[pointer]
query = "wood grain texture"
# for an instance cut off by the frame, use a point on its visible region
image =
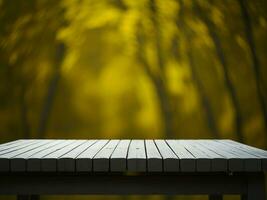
(154, 159)
(101, 159)
(136, 159)
(41, 155)
(84, 162)
(118, 159)
(170, 160)
(66, 162)
(187, 160)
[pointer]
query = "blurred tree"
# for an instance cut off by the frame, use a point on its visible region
(122, 68)
(156, 77)
(187, 33)
(51, 91)
(254, 57)
(28, 29)
(222, 59)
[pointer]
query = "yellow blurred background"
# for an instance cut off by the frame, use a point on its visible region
(133, 69)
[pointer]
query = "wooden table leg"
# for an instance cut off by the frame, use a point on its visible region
(215, 197)
(255, 187)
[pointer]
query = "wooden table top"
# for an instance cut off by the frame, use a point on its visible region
(47, 155)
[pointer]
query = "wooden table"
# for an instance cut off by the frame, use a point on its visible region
(29, 168)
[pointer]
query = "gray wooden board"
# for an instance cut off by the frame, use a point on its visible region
(250, 149)
(19, 162)
(17, 146)
(218, 162)
(131, 155)
(203, 161)
(118, 159)
(4, 145)
(101, 159)
(12, 154)
(84, 162)
(49, 162)
(66, 162)
(187, 160)
(5, 157)
(10, 146)
(262, 154)
(154, 159)
(136, 159)
(34, 162)
(15, 143)
(249, 162)
(170, 160)
(234, 163)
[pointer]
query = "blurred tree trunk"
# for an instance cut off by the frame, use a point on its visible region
(26, 130)
(51, 92)
(228, 83)
(254, 57)
(203, 97)
(199, 86)
(158, 80)
(160, 89)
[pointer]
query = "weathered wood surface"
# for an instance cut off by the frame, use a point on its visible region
(131, 155)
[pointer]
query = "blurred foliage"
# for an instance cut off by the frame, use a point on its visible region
(133, 69)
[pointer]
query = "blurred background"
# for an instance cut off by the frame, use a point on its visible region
(133, 69)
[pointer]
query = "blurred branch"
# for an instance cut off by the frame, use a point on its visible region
(161, 90)
(51, 92)
(228, 83)
(155, 21)
(200, 88)
(26, 130)
(255, 60)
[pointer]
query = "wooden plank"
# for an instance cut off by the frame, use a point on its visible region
(154, 159)
(84, 162)
(17, 146)
(15, 164)
(249, 149)
(203, 161)
(136, 159)
(66, 163)
(251, 163)
(218, 162)
(101, 159)
(9, 143)
(238, 160)
(170, 160)
(5, 158)
(118, 159)
(19, 162)
(49, 162)
(186, 159)
(235, 163)
(34, 161)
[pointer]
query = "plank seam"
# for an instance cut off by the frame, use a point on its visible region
(73, 148)
(109, 160)
(146, 156)
(86, 148)
(162, 160)
(128, 154)
(97, 153)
